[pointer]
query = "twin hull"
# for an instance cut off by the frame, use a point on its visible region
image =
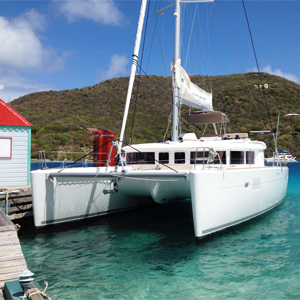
(220, 197)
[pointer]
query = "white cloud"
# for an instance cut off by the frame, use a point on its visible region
(13, 87)
(21, 51)
(57, 60)
(104, 11)
(278, 72)
(33, 19)
(116, 68)
(21, 48)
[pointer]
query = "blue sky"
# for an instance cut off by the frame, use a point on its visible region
(62, 44)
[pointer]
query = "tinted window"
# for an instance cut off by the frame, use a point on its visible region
(222, 155)
(179, 157)
(163, 157)
(250, 157)
(237, 157)
(140, 158)
(199, 157)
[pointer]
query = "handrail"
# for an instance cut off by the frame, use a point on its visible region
(43, 160)
(210, 151)
(7, 193)
(196, 156)
(277, 160)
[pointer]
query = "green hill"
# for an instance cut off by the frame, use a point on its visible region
(61, 118)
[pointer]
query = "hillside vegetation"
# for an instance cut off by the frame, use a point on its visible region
(60, 118)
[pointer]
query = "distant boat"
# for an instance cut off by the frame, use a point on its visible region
(283, 156)
(223, 174)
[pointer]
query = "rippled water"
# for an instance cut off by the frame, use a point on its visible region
(151, 254)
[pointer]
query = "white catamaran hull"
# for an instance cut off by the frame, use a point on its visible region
(85, 192)
(220, 197)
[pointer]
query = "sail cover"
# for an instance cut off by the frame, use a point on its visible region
(207, 117)
(189, 93)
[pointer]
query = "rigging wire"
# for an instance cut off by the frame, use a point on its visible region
(206, 63)
(163, 50)
(252, 98)
(162, 44)
(162, 47)
(169, 122)
(189, 43)
(155, 84)
(263, 93)
(202, 35)
(145, 153)
(139, 78)
(84, 156)
(110, 141)
(166, 96)
(209, 53)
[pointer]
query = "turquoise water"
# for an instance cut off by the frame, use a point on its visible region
(151, 254)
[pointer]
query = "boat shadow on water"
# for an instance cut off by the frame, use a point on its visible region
(170, 223)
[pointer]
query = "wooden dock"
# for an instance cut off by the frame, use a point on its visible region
(12, 261)
(16, 202)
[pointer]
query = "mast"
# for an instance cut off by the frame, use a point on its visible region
(177, 70)
(133, 68)
(176, 101)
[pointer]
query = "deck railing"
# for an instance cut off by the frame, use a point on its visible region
(64, 158)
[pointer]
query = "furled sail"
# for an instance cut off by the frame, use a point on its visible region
(189, 93)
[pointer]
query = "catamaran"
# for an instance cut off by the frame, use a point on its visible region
(224, 175)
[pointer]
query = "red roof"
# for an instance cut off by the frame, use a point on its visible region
(9, 117)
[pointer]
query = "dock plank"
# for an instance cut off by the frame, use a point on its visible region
(7, 228)
(12, 257)
(12, 261)
(12, 269)
(9, 242)
(7, 236)
(8, 277)
(7, 249)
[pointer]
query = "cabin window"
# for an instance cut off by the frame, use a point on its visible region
(199, 157)
(179, 157)
(222, 155)
(137, 158)
(236, 157)
(250, 157)
(163, 157)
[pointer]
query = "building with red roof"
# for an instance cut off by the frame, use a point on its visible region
(15, 147)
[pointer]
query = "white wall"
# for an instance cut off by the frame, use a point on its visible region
(14, 170)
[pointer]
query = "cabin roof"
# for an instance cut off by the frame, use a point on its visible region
(9, 117)
(219, 144)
